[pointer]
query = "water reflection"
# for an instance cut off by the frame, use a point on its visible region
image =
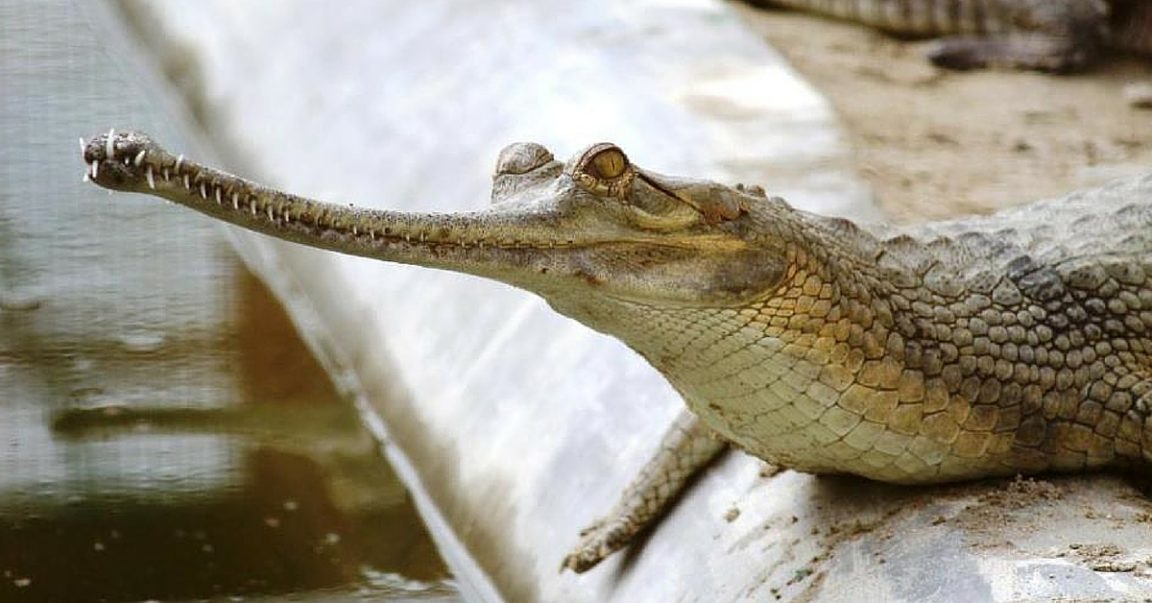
(282, 492)
(163, 432)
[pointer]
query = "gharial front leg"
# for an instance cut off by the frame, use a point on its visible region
(687, 447)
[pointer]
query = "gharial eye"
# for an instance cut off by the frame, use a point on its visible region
(603, 169)
(607, 164)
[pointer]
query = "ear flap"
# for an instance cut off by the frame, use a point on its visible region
(715, 203)
(686, 276)
(723, 207)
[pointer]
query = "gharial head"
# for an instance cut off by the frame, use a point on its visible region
(594, 227)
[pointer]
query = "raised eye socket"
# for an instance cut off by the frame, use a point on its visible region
(522, 157)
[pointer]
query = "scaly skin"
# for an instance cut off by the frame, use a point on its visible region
(1013, 343)
(688, 446)
(1047, 35)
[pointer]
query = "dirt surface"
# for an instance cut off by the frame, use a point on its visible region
(934, 143)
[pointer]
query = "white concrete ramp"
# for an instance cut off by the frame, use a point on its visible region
(516, 427)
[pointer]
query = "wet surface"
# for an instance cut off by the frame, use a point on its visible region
(163, 433)
(281, 492)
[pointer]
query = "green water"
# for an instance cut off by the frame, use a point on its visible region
(164, 435)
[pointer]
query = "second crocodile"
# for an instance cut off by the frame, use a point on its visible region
(1045, 35)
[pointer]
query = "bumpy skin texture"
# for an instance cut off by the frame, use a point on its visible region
(1014, 343)
(1047, 35)
(1018, 342)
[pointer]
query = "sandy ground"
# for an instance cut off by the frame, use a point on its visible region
(934, 143)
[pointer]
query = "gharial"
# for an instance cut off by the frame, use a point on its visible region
(1045, 35)
(1019, 342)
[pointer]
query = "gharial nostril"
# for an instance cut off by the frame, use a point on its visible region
(94, 149)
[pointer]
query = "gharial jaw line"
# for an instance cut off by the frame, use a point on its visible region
(131, 161)
(156, 171)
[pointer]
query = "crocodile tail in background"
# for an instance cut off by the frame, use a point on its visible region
(910, 18)
(1058, 36)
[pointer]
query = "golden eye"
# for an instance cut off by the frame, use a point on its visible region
(607, 164)
(603, 169)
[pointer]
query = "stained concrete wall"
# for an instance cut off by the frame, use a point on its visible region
(516, 427)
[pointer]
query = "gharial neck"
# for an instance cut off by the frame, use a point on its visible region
(833, 289)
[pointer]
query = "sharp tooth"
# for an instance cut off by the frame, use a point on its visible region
(95, 169)
(219, 201)
(235, 200)
(287, 217)
(179, 162)
(127, 160)
(203, 192)
(421, 237)
(83, 147)
(151, 178)
(354, 231)
(187, 183)
(86, 177)
(167, 176)
(109, 146)
(407, 239)
(252, 207)
(139, 157)
(270, 214)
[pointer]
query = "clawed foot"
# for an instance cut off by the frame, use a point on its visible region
(687, 447)
(597, 541)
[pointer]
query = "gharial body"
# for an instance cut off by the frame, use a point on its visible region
(1047, 35)
(1014, 343)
